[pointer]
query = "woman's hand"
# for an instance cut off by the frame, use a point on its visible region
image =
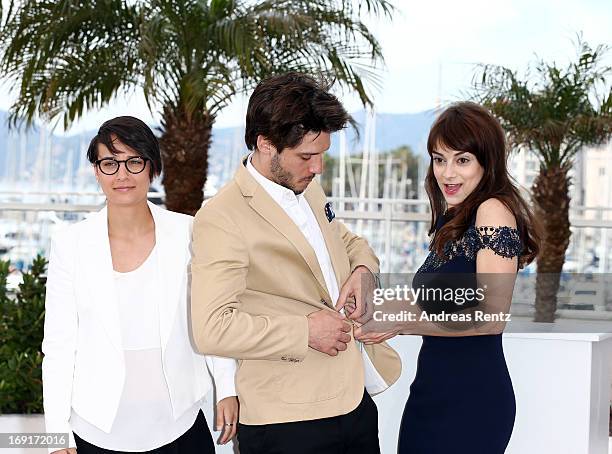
(227, 418)
(65, 451)
(370, 338)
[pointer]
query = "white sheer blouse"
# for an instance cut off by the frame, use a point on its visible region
(144, 418)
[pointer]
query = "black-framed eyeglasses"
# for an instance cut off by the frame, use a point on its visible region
(110, 166)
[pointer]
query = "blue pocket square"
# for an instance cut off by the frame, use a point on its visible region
(329, 212)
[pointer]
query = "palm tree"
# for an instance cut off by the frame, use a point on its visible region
(190, 57)
(554, 115)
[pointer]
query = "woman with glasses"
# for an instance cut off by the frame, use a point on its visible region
(119, 371)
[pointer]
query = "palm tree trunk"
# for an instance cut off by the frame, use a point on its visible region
(551, 202)
(185, 143)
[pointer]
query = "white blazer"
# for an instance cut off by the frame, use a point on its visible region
(83, 366)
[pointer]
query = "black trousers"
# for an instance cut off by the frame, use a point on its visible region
(196, 440)
(355, 432)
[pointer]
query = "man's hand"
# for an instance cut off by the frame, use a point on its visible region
(360, 285)
(65, 451)
(327, 332)
(227, 418)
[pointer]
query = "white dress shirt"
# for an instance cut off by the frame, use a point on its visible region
(297, 208)
(144, 419)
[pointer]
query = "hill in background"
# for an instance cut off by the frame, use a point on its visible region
(67, 152)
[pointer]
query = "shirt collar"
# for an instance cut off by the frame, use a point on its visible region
(280, 194)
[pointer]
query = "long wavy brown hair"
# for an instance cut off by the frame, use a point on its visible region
(466, 126)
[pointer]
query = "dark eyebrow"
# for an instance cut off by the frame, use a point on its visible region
(122, 152)
(457, 153)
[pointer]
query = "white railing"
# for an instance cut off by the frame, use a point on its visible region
(397, 229)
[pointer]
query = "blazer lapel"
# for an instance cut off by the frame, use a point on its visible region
(98, 270)
(274, 214)
(172, 261)
(268, 209)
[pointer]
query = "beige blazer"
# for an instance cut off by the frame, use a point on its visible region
(255, 278)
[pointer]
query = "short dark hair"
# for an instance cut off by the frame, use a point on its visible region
(132, 132)
(284, 108)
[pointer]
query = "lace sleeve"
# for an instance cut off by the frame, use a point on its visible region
(504, 241)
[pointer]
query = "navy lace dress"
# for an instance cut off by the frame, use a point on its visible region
(461, 400)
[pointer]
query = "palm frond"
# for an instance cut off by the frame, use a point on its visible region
(330, 38)
(557, 111)
(67, 56)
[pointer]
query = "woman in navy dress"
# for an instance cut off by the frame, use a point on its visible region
(462, 400)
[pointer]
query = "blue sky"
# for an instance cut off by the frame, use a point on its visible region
(432, 47)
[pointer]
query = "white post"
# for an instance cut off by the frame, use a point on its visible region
(342, 169)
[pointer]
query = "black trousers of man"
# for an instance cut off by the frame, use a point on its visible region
(355, 432)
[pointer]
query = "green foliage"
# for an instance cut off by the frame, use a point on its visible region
(558, 110)
(21, 333)
(66, 56)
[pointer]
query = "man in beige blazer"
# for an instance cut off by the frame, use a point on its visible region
(270, 268)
